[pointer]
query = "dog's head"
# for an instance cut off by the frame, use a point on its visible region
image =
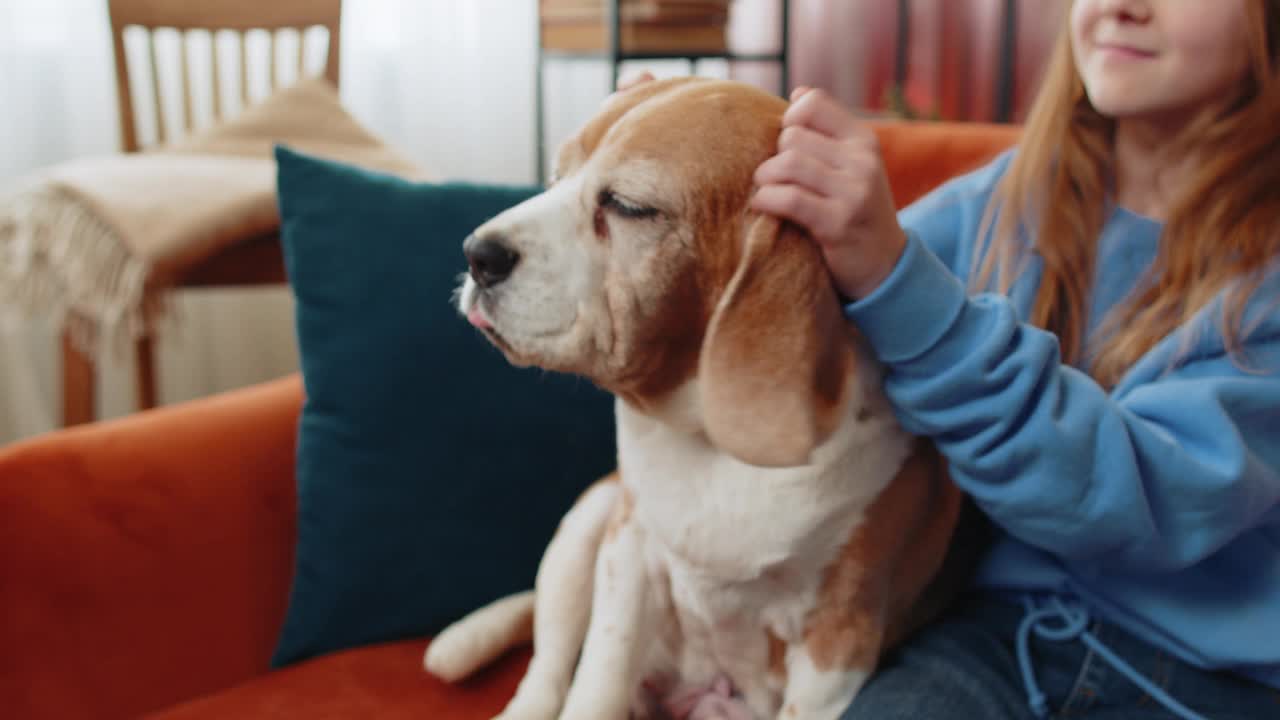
(642, 268)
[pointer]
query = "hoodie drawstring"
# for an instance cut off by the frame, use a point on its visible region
(1073, 623)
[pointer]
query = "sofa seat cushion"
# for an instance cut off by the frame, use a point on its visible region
(379, 681)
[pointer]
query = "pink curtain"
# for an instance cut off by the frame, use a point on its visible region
(953, 66)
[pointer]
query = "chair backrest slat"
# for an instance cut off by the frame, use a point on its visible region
(124, 101)
(244, 68)
(214, 68)
(238, 16)
(227, 14)
(153, 54)
(273, 65)
(188, 115)
(302, 52)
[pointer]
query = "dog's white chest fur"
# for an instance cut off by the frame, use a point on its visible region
(741, 549)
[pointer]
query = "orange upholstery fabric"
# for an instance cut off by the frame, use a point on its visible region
(386, 682)
(920, 155)
(145, 562)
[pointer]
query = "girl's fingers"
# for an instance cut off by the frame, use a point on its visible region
(803, 140)
(820, 112)
(797, 204)
(793, 167)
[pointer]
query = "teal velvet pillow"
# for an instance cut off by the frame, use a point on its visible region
(431, 474)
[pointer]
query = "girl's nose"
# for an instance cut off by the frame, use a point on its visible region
(1134, 11)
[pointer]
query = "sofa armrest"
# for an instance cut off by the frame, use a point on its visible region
(148, 559)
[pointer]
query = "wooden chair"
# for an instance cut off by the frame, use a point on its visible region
(253, 263)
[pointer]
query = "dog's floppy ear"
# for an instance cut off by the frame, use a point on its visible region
(777, 354)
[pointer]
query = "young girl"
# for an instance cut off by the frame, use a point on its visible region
(1089, 328)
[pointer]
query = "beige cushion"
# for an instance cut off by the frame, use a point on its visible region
(99, 237)
(307, 116)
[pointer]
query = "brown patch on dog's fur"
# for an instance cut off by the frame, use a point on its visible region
(664, 347)
(777, 654)
(715, 173)
(708, 137)
(778, 356)
(870, 592)
(575, 152)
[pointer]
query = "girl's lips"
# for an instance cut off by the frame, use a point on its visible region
(1124, 52)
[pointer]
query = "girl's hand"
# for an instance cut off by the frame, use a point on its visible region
(828, 178)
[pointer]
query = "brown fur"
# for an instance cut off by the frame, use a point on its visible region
(665, 344)
(790, 382)
(868, 598)
(768, 398)
(777, 655)
(744, 303)
(772, 397)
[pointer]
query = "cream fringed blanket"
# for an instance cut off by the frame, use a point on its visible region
(94, 242)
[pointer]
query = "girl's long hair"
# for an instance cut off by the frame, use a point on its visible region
(1221, 233)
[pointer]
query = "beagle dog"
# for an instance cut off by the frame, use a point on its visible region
(771, 529)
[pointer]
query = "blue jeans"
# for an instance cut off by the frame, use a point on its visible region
(965, 666)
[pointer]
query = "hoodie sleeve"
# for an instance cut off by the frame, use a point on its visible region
(1155, 475)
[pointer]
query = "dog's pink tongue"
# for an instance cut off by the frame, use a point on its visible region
(475, 317)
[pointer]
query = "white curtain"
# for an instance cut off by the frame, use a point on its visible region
(56, 102)
(450, 83)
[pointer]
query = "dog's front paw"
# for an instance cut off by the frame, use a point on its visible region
(600, 708)
(533, 701)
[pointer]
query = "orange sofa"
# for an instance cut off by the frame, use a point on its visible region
(145, 562)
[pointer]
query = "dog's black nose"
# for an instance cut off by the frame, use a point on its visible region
(490, 259)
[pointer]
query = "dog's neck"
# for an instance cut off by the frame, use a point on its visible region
(692, 495)
(680, 409)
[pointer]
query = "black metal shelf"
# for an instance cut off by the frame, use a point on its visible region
(615, 56)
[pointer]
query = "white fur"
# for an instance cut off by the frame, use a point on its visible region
(707, 541)
(558, 308)
(706, 536)
(564, 594)
(725, 549)
(564, 590)
(542, 306)
(461, 650)
(818, 694)
(622, 625)
(733, 562)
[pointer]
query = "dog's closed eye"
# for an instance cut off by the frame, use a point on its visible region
(623, 207)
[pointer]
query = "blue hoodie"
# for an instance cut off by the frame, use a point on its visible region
(1157, 503)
